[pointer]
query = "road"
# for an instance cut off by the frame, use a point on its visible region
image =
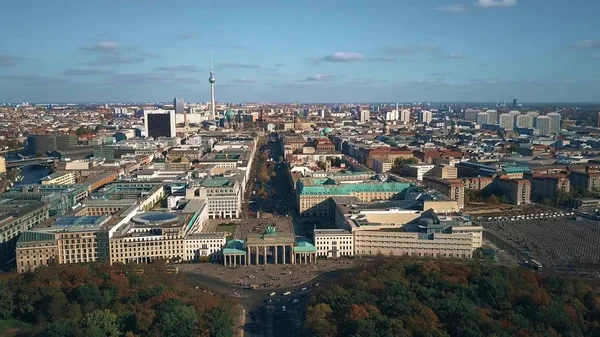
(262, 318)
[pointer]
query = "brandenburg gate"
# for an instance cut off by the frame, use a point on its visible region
(269, 247)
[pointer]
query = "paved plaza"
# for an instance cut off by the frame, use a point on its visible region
(267, 276)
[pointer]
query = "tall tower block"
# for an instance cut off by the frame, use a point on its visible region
(211, 80)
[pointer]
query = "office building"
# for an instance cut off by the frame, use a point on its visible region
(554, 122)
(507, 121)
(598, 120)
(40, 144)
(445, 171)
(542, 125)
(364, 115)
(418, 171)
(58, 178)
(482, 118)
(66, 142)
(159, 123)
(514, 103)
(222, 194)
(179, 105)
(425, 117)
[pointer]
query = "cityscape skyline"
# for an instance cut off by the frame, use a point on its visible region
(436, 51)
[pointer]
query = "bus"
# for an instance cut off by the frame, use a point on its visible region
(536, 265)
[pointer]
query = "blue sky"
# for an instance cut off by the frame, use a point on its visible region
(305, 51)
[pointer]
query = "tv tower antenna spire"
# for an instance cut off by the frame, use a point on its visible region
(211, 80)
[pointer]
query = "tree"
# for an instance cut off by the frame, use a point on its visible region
(318, 319)
(399, 163)
(177, 319)
(492, 199)
(220, 324)
(101, 321)
(6, 302)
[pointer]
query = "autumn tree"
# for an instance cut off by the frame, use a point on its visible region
(220, 323)
(318, 319)
(177, 319)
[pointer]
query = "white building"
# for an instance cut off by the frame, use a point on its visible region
(492, 116)
(365, 115)
(482, 118)
(524, 121)
(471, 114)
(542, 124)
(554, 122)
(405, 116)
(507, 121)
(199, 246)
(419, 170)
(425, 117)
(334, 242)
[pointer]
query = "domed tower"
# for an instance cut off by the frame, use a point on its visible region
(454, 127)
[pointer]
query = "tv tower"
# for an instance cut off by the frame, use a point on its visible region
(211, 80)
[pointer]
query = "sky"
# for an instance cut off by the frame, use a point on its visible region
(319, 51)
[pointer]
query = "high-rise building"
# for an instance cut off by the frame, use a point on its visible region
(482, 118)
(405, 116)
(598, 122)
(159, 123)
(554, 122)
(365, 115)
(425, 117)
(179, 105)
(524, 121)
(542, 124)
(492, 116)
(514, 105)
(471, 115)
(507, 121)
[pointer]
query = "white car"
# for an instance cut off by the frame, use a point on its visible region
(283, 308)
(272, 294)
(287, 293)
(295, 300)
(303, 288)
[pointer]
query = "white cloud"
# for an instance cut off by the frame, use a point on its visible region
(319, 78)
(343, 57)
(454, 56)
(495, 3)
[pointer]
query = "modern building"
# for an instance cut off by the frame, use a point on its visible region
(333, 243)
(365, 115)
(66, 142)
(542, 124)
(525, 121)
(179, 105)
(471, 115)
(222, 194)
(40, 144)
(482, 118)
(445, 171)
(425, 117)
(555, 119)
(492, 116)
(507, 121)
(159, 123)
(58, 178)
(418, 171)
(405, 116)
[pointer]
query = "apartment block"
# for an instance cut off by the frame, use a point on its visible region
(452, 188)
(549, 186)
(518, 191)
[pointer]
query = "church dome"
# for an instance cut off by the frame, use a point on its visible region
(327, 131)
